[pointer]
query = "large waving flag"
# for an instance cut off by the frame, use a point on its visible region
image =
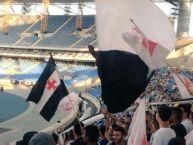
(48, 91)
(113, 19)
(123, 74)
(137, 130)
(184, 85)
(151, 52)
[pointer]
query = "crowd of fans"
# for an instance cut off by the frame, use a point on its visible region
(167, 125)
(162, 86)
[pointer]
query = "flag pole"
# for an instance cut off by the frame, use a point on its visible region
(182, 101)
(50, 54)
(135, 25)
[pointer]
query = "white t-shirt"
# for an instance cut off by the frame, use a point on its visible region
(188, 125)
(163, 136)
(189, 138)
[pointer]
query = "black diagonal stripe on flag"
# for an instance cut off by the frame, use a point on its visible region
(123, 75)
(123, 78)
(48, 91)
(38, 88)
(51, 105)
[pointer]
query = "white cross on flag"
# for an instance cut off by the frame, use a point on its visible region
(137, 130)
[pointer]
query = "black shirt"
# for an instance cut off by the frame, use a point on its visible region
(179, 129)
(78, 141)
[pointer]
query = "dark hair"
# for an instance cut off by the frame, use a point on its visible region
(66, 136)
(55, 136)
(77, 128)
(178, 113)
(26, 138)
(176, 141)
(92, 132)
(113, 126)
(70, 135)
(164, 112)
(120, 129)
(186, 108)
(102, 129)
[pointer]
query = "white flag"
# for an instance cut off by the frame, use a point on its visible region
(184, 86)
(117, 62)
(137, 130)
(152, 53)
(70, 102)
(113, 19)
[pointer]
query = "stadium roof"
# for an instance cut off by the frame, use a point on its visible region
(174, 2)
(51, 1)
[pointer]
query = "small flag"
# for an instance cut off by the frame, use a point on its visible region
(184, 84)
(187, 82)
(48, 91)
(70, 102)
(137, 130)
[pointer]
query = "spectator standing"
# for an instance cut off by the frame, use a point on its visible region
(163, 135)
(103, 140)
(187, 122)
(118, 136)
(91, 135)
(77, 131)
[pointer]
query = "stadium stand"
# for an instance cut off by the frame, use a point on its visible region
(94, 91)
(13, 35)
(54, 22)
(61, 32)
(27, 41)
(30, 71)
(25, 50)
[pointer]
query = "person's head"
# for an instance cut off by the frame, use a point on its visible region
(192, 116)
(118, 134)
(91, 134)
(186, 110)
(70, 135)
(42, 139)
(26, 138)
(55, 136)
(102, 129)
(163, 113)
(78, 129)
(176, 114)
(176, 141)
